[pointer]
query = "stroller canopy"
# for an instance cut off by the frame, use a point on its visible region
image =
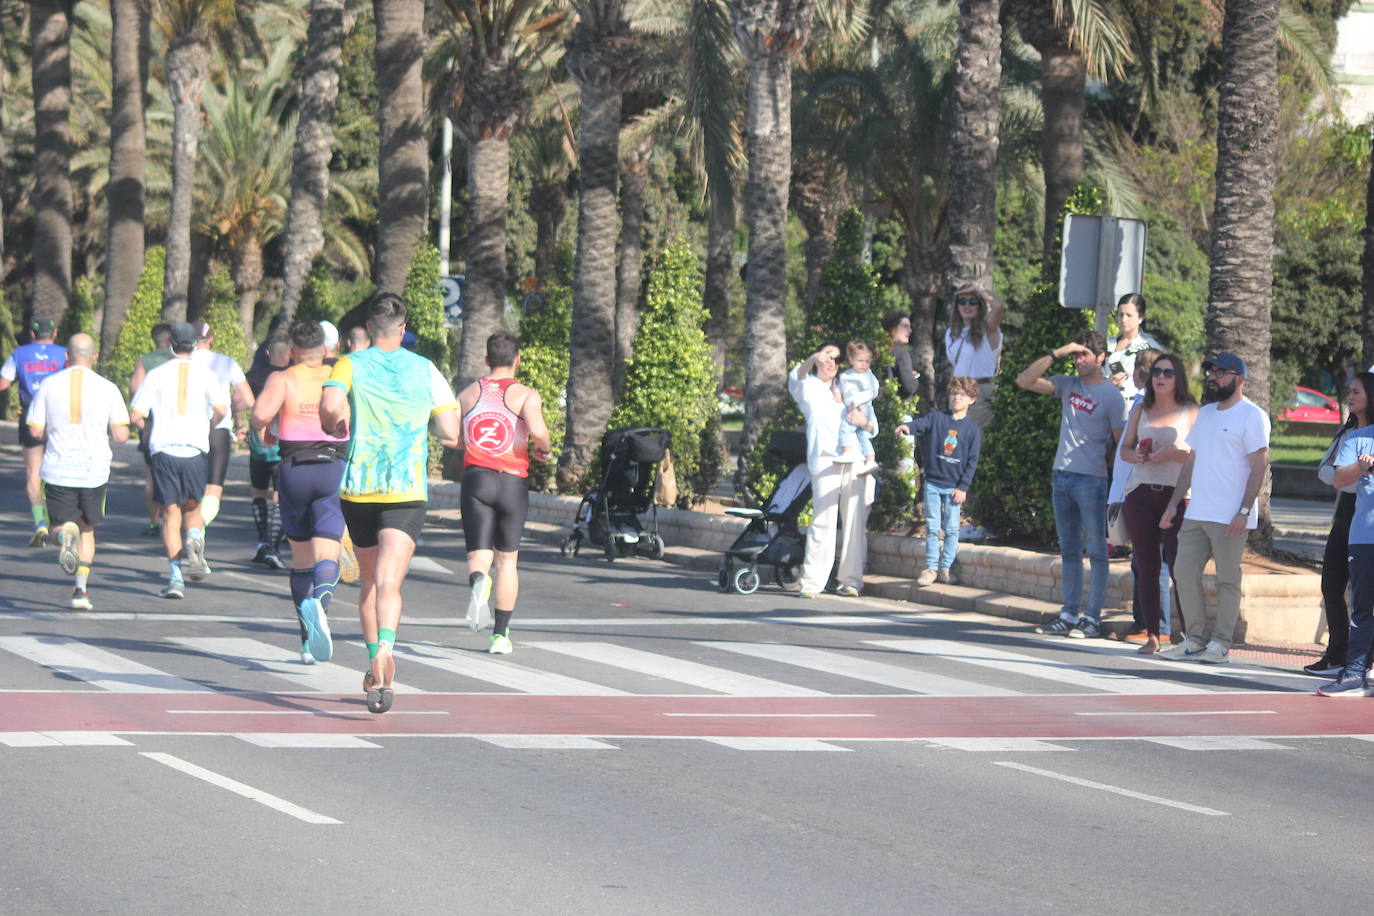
(639, 443)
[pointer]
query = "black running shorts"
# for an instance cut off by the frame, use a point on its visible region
(366, 519)
(178, 481)
(260, 472)
(494, 509)
(26, 438)
(221, 444)
(74, 504)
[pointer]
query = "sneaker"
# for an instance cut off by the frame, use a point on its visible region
(869, 468)
(1188, 650)
(317, 636)
(1086, 628)
(1323, 668)
(40, 537)
(478, 595)
(946, 577)
(152, 530)
(196, 567)
(1348, 684)
(927, 577)
(67, 538)
(260, 555)
(1215, 654)
(175, 588)
(308, 659)
(807, 596)
(847, 591)
(1056, 627)
(80, 600)
(273, 561)
(500, 645)
(348, 561)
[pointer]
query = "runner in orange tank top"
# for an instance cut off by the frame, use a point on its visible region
(501, 417)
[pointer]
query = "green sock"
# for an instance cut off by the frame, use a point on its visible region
(371, 650)
(386, 635)
(40, 516)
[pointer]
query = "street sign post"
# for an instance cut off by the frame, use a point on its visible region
(452, 287)
(1103, 259)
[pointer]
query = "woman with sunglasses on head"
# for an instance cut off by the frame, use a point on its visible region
(1131, 339)
(1335, 566)
(1155, 442)
(973, 344)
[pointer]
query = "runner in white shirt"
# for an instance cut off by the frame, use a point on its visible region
(76, 413)
(187, 400)
(222, 436)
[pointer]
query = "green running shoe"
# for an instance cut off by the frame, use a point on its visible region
(500, 645)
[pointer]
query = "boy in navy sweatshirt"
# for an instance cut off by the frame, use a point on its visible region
(952, 446)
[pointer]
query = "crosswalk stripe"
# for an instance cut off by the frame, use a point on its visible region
(95, 666)
(547, 742)
(1033, 666)
(776, 744)
(1000, 745)
(306, 740)
(281, 663)
(494, 670)
(676, 669)
(862, 669)
(1220, 743)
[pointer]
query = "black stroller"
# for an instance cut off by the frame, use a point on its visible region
(611, 515)
(773, 537)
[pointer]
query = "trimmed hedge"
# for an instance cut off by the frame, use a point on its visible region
(545, 333)
(222, 314)
(135, 335)
(319, 301)
(80, 315)
(425, 307)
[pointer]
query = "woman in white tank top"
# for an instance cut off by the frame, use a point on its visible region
(1155, 442)
(973, 344)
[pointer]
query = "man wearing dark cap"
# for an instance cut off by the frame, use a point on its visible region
(1230, 447)
(29, 365)
(187, 400)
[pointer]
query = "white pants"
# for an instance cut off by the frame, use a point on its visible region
(837, 497)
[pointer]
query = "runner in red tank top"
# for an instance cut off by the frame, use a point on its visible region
(501, 417)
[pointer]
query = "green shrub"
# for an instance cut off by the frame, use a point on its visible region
(80, 314)
(318, 299)
(9, 322)
(850, 306)
(1176, 273)
(222, 314)
(670, 382)
(145, 312)
(545, 332)
(425, 307)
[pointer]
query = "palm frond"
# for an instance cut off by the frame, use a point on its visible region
(1309, 53)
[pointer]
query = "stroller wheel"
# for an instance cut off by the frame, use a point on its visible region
(569, 546)
(723, 577)
(787, 576)
(654, 550)
(745, 580)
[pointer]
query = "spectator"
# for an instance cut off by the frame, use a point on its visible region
(1354, 462)
(973, 344)
(837, 493)
(1155, 442)
(1335, 566)
(952, 450)
(898, 327)
(1092, 416)
(858, 387)
(1123, 348)
(1230, 445)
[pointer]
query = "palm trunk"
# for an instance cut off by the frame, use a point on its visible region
(817, 197)
(1061, 146)
(921, 278)
(128, 147)
(403, 159)
(590, 396)
(484, 292)
(188, 64)
(549, 205)
(50, 33)
(314, 139)
(634, 179)
(972, 211)
(1367, 314)
(1240, 287)
(720, 267)
(246, 268)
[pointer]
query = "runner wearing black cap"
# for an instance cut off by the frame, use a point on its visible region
(29, 365)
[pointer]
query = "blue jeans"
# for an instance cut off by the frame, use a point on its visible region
(852, 436)
(942, 514)
(1080, 520)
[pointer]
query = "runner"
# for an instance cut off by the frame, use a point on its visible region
(29, 365)
(263, 460)
(500, 418)
(76, 413)
(188, 400)
(386, 396)
(162, 351)
(232, 377)
(307, 484)
(348, 560)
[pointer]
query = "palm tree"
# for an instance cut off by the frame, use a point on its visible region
(50, 35)
(187, 26)
(546, 149)
(403, 160)
(973, 141)
(314, 139)
(634, 179)
(769, 32)
(602, 58)
(128, 148)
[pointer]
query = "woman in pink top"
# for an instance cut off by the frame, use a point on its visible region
(1155, 442)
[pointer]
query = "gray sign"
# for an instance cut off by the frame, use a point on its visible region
(1103, 260)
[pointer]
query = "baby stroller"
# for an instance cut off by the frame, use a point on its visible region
(610, 515)
(772, 538)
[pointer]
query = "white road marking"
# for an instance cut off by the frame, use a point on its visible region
(27, 739)
(1220, 743)
(284, 621)
(1005, 745)
(497, 670)
(425, 564)
(280, 662)
(676, 669)
(238, 788)
(1196, 712)
(1035, 666)
(274, 739)
(1116, 790)
(863, 669)
(776, 744)
(772, 715)
(547, 742)
(95, 666)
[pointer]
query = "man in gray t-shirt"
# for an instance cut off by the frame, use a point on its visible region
(1090, 424)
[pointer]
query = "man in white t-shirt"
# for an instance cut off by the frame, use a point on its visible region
(1230, 447)
(75, 414)
(222, 436)
(187, 400)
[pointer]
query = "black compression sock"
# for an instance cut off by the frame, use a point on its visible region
(472, 579)
(502, 627)
(260, 518)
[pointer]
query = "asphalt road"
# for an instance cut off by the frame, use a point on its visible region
(652, 746)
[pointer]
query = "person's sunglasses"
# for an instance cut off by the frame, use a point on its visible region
(966, 300)
(1161, 372)
(1218, 373)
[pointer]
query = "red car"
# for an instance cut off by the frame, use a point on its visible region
(1313, 407)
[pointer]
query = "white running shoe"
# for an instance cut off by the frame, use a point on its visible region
(68, 537)
(196, 568)
(479, 609)
(81, 601)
